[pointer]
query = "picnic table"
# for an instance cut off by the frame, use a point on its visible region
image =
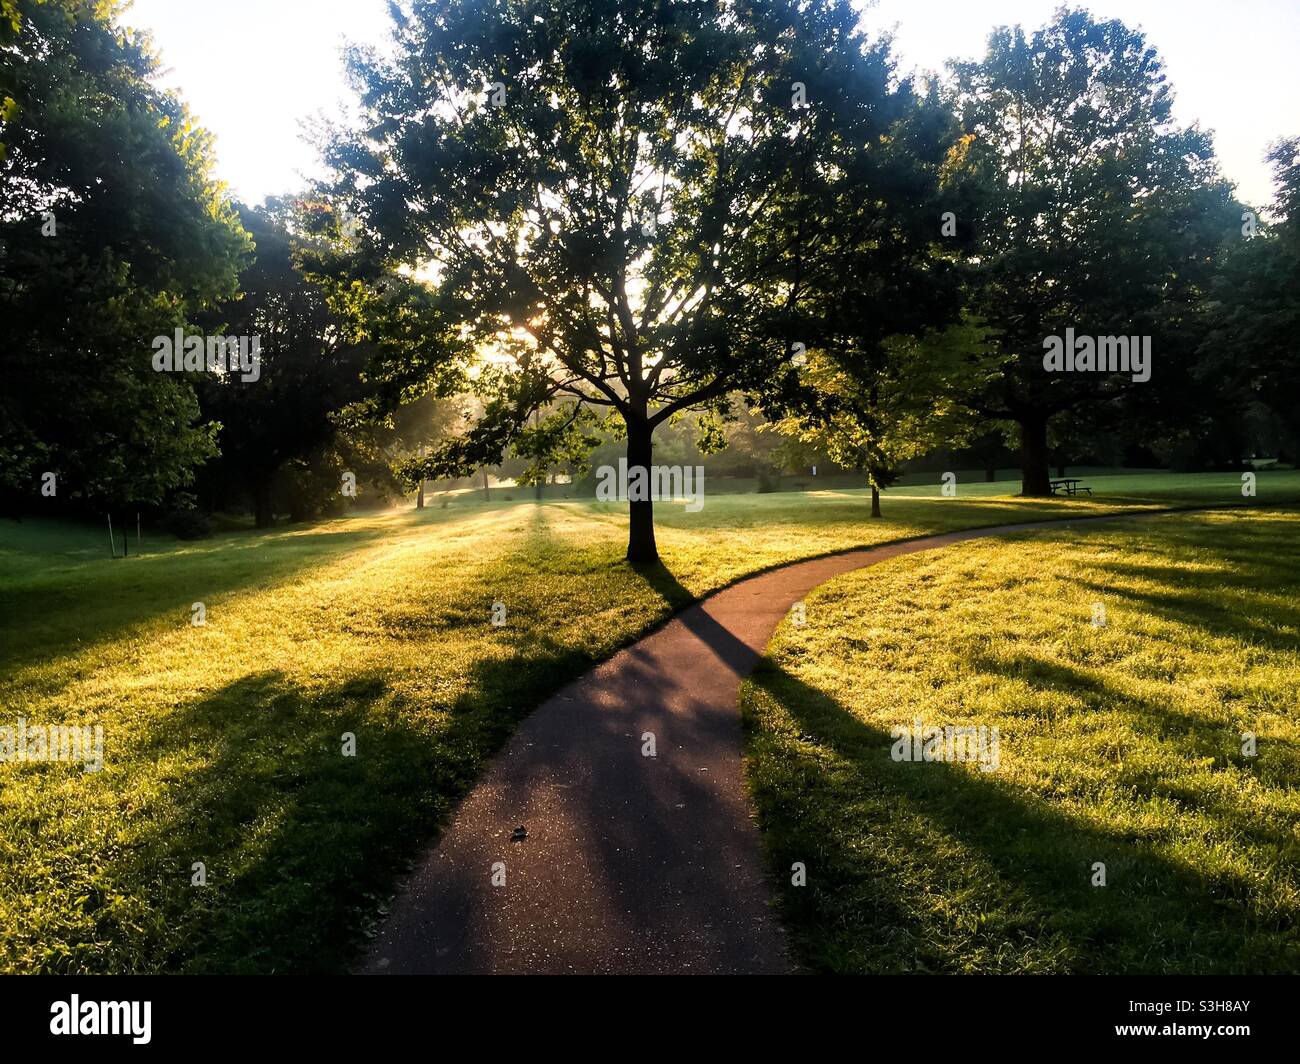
(1070, 485)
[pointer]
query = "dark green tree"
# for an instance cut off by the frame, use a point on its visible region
(308, 372)
(112, 232)
(1091, 210)
(890, 361)
(314, 412)
(622, 202)
(1250, 347)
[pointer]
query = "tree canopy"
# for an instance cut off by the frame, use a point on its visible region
(1092, 210)
(629, 202)
(548, 230)
(112, 232)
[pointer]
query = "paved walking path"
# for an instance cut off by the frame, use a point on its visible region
(631, 864)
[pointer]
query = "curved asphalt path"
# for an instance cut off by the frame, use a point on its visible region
(631, 864)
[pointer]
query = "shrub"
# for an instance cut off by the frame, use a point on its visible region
(188, 522)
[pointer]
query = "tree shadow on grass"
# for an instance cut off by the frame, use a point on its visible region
(940, 867)
(1185, 736)
(301, 844)
(1199, 597)
(43, 622)
(661, 579)
(296, 838)
(1214, 614)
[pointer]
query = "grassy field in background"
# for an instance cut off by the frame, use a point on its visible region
(224, 743)
(441, 494)
(1120, 744)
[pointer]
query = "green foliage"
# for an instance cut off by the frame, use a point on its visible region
(898, 401)
(112, 232)
(287, 437)
(1254, 311)
(1089, 208)
(622, 201)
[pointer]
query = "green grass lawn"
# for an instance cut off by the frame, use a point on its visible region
(224, 743)
(1120, 744)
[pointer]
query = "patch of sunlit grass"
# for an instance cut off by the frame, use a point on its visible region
(1120, 743)
(224, 742)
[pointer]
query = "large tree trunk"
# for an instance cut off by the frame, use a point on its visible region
(487, 494)
(419, 497)
(300, 507)
(262, 515)
(990, 473)
(1035, 472)
(875, 501)
(641, 548)
(537, 488)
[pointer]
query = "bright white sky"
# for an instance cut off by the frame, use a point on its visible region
(252, 69)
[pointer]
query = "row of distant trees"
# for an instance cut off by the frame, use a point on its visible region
(557, 225)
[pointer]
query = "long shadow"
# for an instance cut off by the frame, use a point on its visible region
(410, 783)
(1186, 734)
(301, 843)
(1180, 607)
(45, 619)
(1199, 599)
(251, 781)
(659, 577)
(658, 846)
(865, 906)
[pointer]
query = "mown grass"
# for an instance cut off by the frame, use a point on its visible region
(1120, 744)
(224, 743)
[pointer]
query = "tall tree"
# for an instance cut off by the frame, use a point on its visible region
(1092, 211)
(308, 371)
(894, 399)
(1251, 345)
(315, 411)
(112, 232)
(623, 200)
(890, 361)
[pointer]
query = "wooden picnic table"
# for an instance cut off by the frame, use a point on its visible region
(1070, 485)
